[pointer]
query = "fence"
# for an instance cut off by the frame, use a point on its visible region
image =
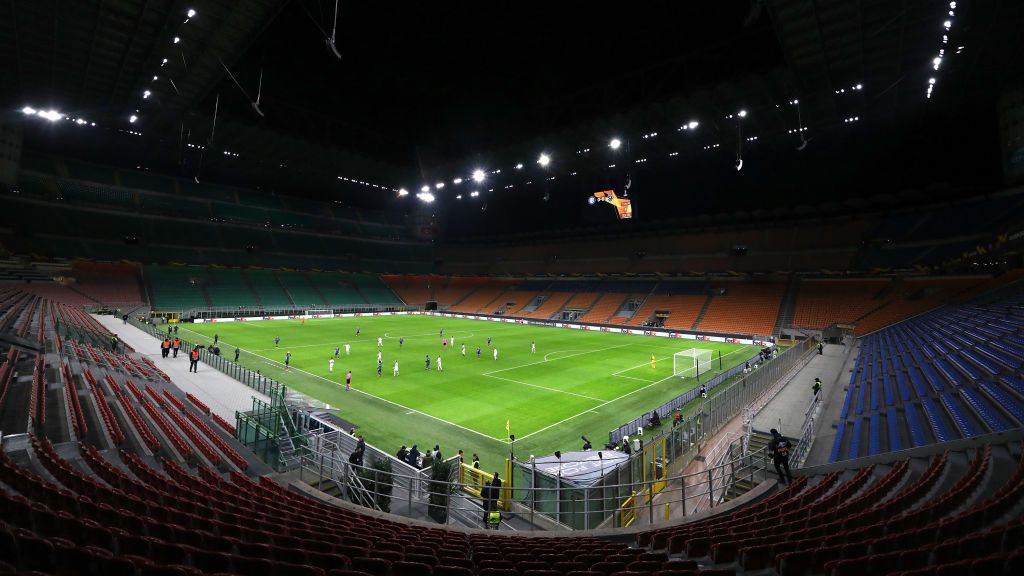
(253, 311)
(722, 407)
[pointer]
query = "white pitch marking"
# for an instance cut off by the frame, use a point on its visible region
(546, 388)
(631, 377)
(561, 358)
(549, 354)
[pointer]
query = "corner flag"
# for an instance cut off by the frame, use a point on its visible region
(508, 427)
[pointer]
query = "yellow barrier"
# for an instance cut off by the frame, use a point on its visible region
(473, 480)
(627, 512)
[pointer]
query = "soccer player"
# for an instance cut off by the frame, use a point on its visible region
(488, 341)
(463, 349)
(395, 373)
(337, 351)
(703, 391)
(495, 353)
(441, 335)
(380, 342)
(277, 341)
(380, 367)
(533, 347)
(287, 359)
(379, 357)
(401, 340)
(357, 330)
(348, 381)
(652, 361)
(477, 352)
(444, 343)
(330, 365)
(427, 365)
(439, 367)
(346, 349)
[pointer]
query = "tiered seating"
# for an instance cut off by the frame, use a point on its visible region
(744, 309)
(555, 302)
(951, 372)
(517, 300)
(374, 290)
(915, 296)
(604, 307)
(174, 287)
(269, 291)
(300, 289)
(108, 283)
(448, 291)
(229, 288)
(337, 288)
(822, 303)
(685, 309)
(484, 300)
(582, 300)
(7, 374)
(413, 290)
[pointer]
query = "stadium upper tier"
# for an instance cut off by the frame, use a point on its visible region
(952, 373)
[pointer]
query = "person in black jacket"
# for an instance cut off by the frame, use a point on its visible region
(780, 447)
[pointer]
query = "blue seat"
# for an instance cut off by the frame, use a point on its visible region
(1014, 383)
(837, 445)
(861, 396)
(992, 418)
(1001, 357)
(846, 403)
(890, 399)
(960, 417)
(874, 435)
(901, 383)
(918, 381)
(893, 425)
(1004, 399)
(954, 378)
(854, 449)
(939, 428)
(976, 359)
(933, 378)
(917, 436)
(875, 392)
(940, 350)
(1010, 349)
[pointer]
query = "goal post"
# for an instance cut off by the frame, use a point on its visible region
(691, 363)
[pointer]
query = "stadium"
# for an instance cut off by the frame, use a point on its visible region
(545, 289)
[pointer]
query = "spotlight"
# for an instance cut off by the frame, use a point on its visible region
(693, 124)
(155, 78)
(176, 39)
(947, 24)
(403, 192)
(439, 185)
(457, 181)
(164, 62)
(458, 197)
(146, 94)
(478, 175)
(426, 197)
(28, 110)
(425, 189)
(742, 114)
(591, 200)
(519, 166)
(615, 143)
(739, 164)
(474, 194)
(191, 13)
(544, 160)
(132, 118)
(51, 115)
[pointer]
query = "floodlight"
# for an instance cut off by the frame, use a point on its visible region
(519, 166)
(859, 86)
(164, 62)
(458, 197)
(478, 175)
(615, 143)
(544, 160)
(155, 78)
(133, 118)
(439, 185)
(947, 24)
(742, 114)
(28, 110)
(425, 189)
(693, 124)
(739, 164)
(474, 194)
(403, 192)
(457, 181)
(931, 80)
(176, 39)
(51, 115)
(145, 94)
(426, 197)
(191, 13)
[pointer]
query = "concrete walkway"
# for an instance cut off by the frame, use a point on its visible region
(787, 410)
(223, 394)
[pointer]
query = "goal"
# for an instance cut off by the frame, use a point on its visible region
(691, 363)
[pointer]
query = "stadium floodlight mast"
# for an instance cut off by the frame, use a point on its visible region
(615, 143)
(478, 175)
(544, 159)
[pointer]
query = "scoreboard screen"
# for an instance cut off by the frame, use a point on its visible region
(623, 206)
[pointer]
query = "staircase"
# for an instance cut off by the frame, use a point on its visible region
(703, 311)
(788, 308)
(328, 486)
(316, 289)
(284, 289)
(252, 289)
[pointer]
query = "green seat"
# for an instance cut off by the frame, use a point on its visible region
(299, 288)
(268, 289)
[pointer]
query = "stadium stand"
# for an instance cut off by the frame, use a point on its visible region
(413, 290)
(554, 302)
(744, 309)
(176, 287)
(336, 288)
(912, 296)
(374, 290)
(959, 365)
(300, 289)
(484, 299)
(603, 308)
(822, 303)
(268, 289)
(228, 287)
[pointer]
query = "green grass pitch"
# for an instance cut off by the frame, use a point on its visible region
(577, 383)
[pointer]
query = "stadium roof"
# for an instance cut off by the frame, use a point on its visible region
(425, 93)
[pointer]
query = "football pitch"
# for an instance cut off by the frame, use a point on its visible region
(576, 383)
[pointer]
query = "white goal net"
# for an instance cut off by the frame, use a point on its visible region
(691, 363)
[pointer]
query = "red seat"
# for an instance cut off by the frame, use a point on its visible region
(287, 569)
(411, 568)
(375, 566)
(444, 570)
(608, 567)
